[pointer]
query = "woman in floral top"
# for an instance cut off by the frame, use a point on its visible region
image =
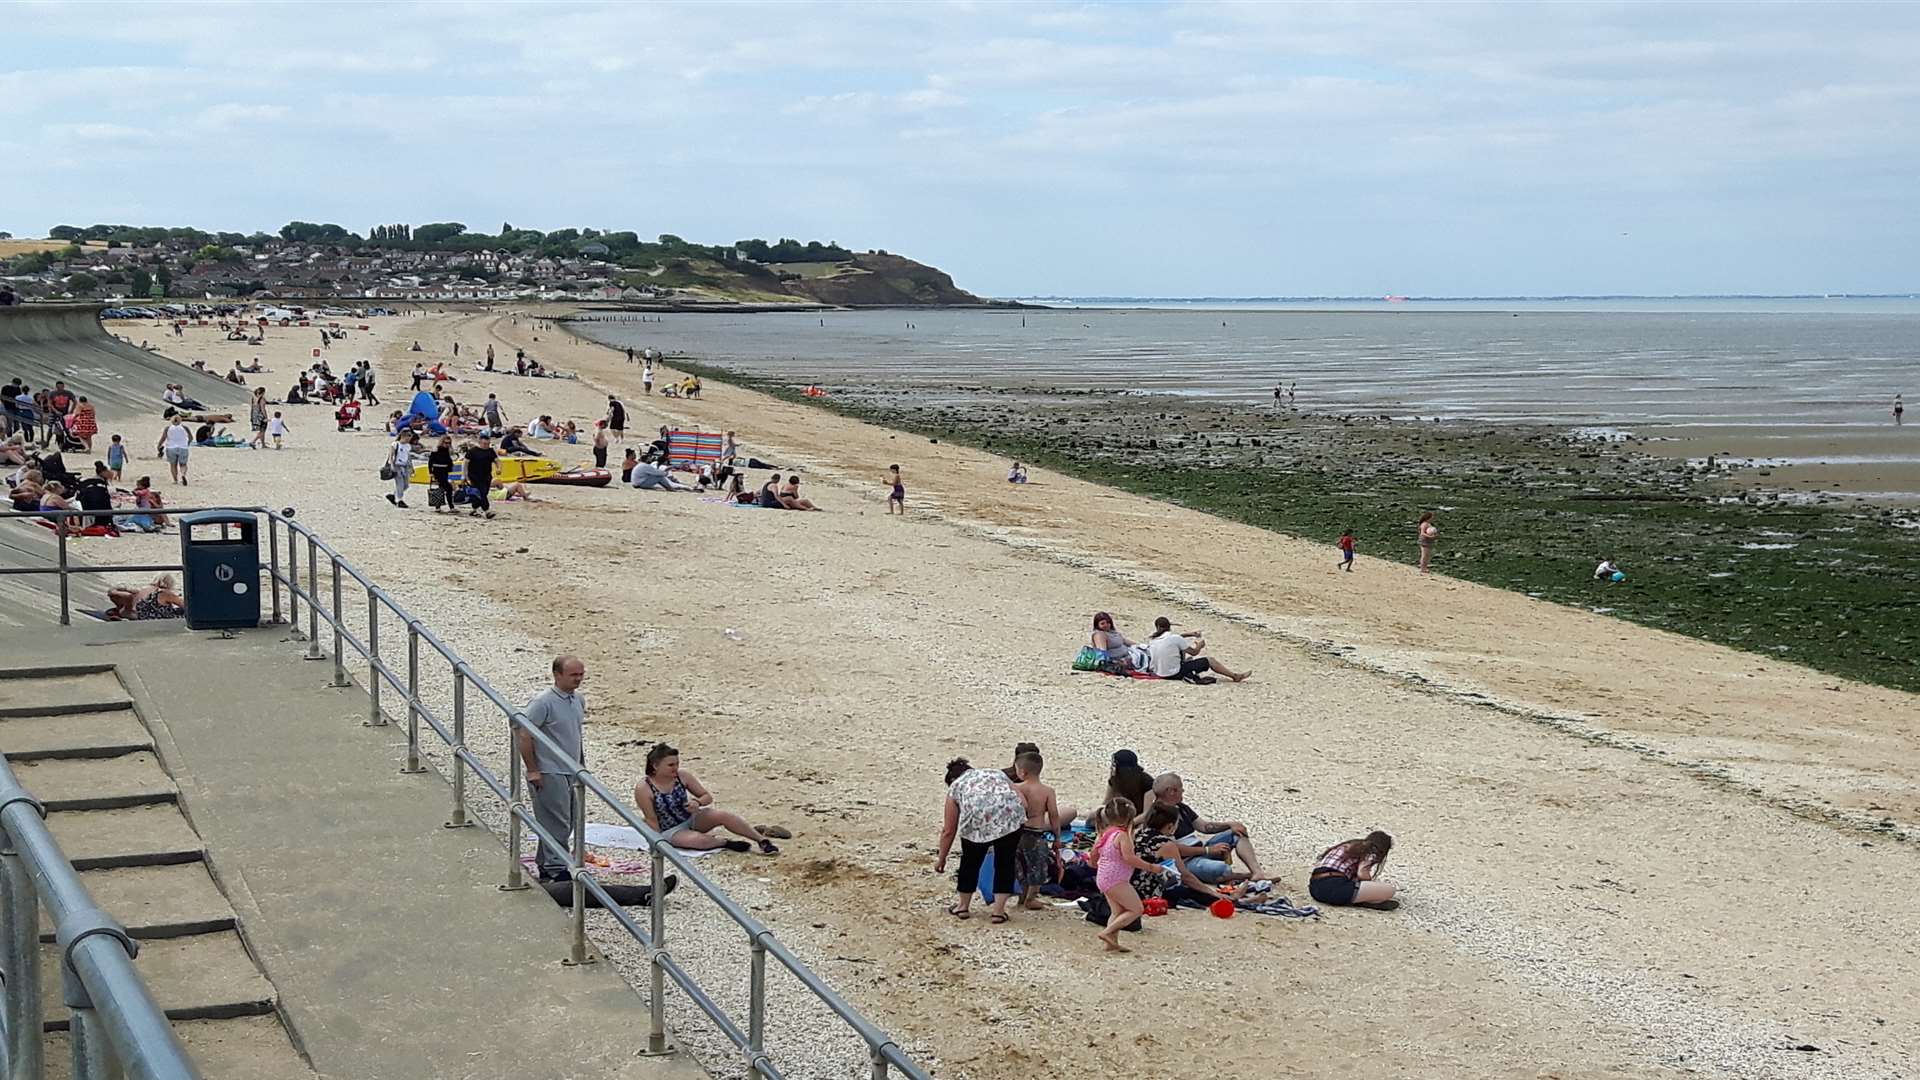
(986, 813)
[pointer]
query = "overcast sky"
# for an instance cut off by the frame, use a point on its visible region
(1142, 149)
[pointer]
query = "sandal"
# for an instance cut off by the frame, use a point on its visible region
(959, 913)
(997, 919)
(775, 831)
(768, 847)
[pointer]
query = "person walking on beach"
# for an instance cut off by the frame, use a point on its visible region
(646, 378)
(277, 427)
(558, 712)
(400, 464)
(494, 415)
(440, 472)
(629, 354)
(1898, 410)
(897, 498)
(1427, 533)
(257, 418)
(617, 417)
(489, 356)
(1114, 861)
(1346, 550)
(419, 376)
(600, 445)
(174, 444)
(1279, 393)
(480, 461)
(366, 382)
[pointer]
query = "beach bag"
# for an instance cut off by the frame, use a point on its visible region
(436, 498)
(1090, 659)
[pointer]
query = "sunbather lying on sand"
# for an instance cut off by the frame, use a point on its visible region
(155, 601)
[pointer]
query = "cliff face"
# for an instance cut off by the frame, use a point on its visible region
(885, 280)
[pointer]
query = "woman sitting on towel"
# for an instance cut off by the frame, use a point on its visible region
(679, 808)
(1119, 651)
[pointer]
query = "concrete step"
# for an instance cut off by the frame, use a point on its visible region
(244, 1048)
(66, 735)
(135, 836)
(98, 783)
(202, 977)
(157, 901)
(24, 693)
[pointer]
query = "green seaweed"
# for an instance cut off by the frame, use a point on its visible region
(1833, 586)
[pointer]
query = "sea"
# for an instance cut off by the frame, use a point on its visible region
(1825, 366)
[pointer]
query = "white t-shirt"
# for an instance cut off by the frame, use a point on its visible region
(402, 456)
(178, 437)
(277, 426)
(1164, 654)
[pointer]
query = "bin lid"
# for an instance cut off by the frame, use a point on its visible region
(219, 517)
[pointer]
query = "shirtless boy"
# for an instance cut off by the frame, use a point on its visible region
(1036, 852)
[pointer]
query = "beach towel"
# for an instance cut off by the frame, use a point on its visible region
(1136, 673)
(1278, 906)
(626, 837)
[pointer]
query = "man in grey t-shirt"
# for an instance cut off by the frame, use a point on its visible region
(558, 712)
(495, 416)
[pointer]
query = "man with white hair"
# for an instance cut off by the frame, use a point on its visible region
(1207, 846)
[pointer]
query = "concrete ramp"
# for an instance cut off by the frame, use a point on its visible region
(45, 342)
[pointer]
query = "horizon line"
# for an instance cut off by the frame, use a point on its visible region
(1378, 299)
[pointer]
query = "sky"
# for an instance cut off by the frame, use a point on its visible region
(1171, 149)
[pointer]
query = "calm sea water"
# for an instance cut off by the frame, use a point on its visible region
(1828, 365)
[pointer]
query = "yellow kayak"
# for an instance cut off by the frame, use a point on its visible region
(505, 471)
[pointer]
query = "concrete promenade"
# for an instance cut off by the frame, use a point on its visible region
(392, 951)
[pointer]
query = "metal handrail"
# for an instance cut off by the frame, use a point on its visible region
(883, 1052)
(115, 1027)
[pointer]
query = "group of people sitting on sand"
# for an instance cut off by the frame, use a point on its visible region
(1164, 655)
(45, 483)
(1143, 850)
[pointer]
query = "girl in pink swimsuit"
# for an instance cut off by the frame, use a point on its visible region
(1114, 864)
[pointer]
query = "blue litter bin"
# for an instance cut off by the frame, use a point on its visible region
(220, 569)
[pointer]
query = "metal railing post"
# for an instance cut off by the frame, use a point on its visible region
(20, 959)
(293, 582)
(339, 631)
(459, 818)
(657, 952)
(273, 564)
(515, 879)
(92, 1057)
(413, 700)
(66, 617)
(879, 1061)
(577, 790)
(313, 600)
(375, 718)
(757, 1004)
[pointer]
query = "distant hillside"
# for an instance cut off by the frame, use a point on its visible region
(875, 279)
(447, 261)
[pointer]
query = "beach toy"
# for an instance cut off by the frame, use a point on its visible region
(1155, 905)
(986, 879)
(1619, 576)
(1222, 909)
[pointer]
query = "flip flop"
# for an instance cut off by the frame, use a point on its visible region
(957, 913)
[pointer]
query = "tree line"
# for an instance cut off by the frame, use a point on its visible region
(623, 247)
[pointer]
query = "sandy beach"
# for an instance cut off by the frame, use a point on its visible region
(1624, 852)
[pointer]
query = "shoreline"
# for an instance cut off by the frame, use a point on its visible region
(1707, 554)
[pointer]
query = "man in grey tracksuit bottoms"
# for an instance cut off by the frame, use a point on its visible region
(558, 711)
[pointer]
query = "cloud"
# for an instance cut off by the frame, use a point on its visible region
(1204, 121)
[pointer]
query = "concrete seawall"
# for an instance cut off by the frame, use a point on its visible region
(42, 343)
